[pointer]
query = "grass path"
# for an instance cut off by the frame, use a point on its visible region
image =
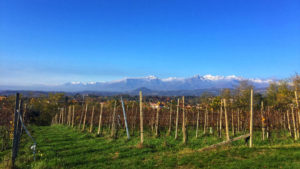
(64, 147)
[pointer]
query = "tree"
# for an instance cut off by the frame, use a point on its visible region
(284, 95)
(271, 94)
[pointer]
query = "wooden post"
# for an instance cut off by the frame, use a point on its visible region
(66, 115)
(60, 116)
(223, 143)
(296, 97)
(73, 116)
(197, 123)
(221, 115)
(205, 120)
(110, 118)
(184, 131)
(100, 119)
(212, 122)
(63, 115)
(177, 117)
(84, 119)
(238, 121)
(66, 111)
(141, 118)
(297, 127)
(251, 119)
(226, 121)
(284, 121)
(157, 122)
(92, 119)
(55, 118)
(262, 120)
(241, 121)
(297, 103)
(217, 121)
(69, 115)
(170, 119)
(232, 123)
(294, 123)
(81, 116)
(268, 122)
(113, 125)
(288, 120)
(152, 122)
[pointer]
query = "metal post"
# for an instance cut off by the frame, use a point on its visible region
(125, 119)
(16, 119)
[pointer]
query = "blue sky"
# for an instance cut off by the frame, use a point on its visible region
(57, 41)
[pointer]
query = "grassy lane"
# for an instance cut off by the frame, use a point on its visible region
(64, 147)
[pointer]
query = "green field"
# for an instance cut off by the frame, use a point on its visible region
(63, 147)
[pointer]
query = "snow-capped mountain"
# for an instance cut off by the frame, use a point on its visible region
(164, 84)
(152, 83)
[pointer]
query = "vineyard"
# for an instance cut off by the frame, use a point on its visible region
(231, 130)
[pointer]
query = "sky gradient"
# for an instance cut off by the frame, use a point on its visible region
(57, 41)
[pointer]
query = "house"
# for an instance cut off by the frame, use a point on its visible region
(3, 98)
(154, 105)
(188, 106)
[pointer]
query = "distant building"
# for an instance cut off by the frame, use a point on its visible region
(156, 105)
(188, 106)
(3, 98)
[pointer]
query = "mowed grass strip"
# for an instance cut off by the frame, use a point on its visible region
(63, 147)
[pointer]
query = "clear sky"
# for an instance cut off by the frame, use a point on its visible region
(57, 41)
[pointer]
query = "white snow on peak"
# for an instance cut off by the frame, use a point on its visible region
(207, 77)
(234, 77)
(75, 83)
(83, 83)
(151, 77)
(217, 77)
(211, 77)
(169, 79)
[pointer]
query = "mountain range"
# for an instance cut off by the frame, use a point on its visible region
(150, 84)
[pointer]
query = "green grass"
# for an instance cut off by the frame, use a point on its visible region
(63, 147)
